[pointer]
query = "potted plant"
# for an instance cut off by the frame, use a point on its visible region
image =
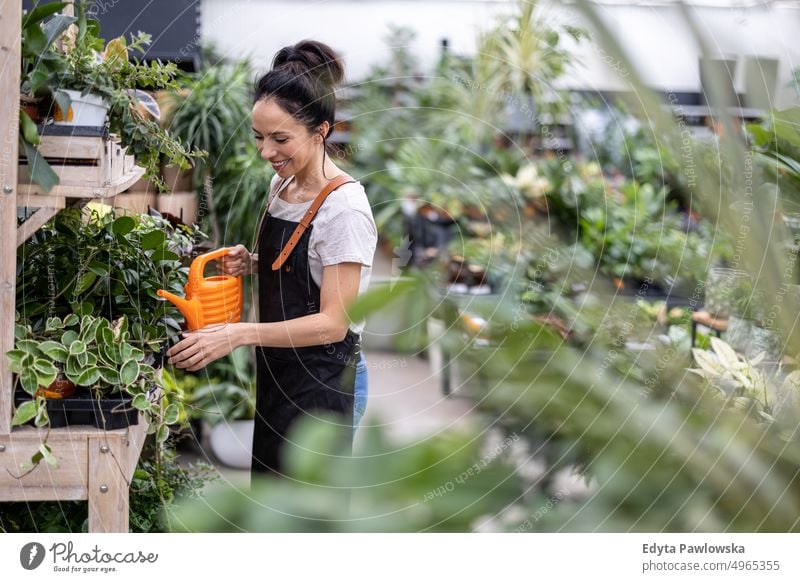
(100, 76)
(111, 373)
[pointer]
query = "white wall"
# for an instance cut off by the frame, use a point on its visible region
(654, 34)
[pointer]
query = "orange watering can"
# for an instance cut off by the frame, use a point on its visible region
(209, 300)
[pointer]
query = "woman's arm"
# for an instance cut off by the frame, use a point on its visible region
(338, 291)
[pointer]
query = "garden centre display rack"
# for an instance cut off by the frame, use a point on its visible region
(92, 464)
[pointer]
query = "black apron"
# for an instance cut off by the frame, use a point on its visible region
(293, 382)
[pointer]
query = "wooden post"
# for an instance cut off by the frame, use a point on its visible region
(108, 490)
(10, 17)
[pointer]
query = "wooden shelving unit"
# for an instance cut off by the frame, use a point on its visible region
(93, 464)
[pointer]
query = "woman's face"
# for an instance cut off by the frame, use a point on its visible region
(283, 141)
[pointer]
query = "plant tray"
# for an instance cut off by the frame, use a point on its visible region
(83, 409)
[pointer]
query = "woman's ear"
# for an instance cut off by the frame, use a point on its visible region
(324, 128)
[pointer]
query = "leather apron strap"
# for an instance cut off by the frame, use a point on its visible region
(306, 221)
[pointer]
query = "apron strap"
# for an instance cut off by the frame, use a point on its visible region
(306, 221)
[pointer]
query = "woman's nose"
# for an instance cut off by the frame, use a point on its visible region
(267, 153)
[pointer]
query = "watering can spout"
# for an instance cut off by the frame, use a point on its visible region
(187, 307)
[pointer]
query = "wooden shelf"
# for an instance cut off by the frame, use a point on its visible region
(34, 196)
(93, 464)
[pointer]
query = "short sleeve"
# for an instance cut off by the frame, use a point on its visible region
(349, 237)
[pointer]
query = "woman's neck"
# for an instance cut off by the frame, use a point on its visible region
(310, 180)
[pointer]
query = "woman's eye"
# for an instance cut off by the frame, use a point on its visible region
(258, 138)
(281, 140)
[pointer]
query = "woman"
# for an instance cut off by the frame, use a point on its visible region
(307, 350)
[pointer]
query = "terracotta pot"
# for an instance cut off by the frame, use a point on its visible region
(60, 388)
(31, 107)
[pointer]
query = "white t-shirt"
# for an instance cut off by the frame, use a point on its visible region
(342, 232)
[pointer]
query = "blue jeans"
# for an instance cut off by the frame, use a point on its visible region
(360, 392)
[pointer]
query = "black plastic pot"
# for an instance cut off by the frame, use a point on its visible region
(109, 413)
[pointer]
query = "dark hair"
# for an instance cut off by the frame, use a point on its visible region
(302, 81)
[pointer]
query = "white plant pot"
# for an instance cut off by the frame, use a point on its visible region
(88, 110)
(232, 443)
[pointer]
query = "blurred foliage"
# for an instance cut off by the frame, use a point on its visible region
(211, 111)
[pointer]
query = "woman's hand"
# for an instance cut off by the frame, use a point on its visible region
(199, 348)
(237, 262)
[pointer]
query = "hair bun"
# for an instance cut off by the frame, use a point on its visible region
(313, 58)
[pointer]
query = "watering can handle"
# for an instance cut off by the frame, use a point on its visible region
(198, 267)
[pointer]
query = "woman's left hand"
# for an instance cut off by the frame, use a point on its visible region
(199, 348)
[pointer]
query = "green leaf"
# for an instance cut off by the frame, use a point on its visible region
(46, 372)
(163, 254)
(88, 332)
(129, 372)
(53, 29)
(35, 40)
(47, 454)
(83, 309)
(28, 128)
(171, 414)
(91, 360)
(29, 380)
(71, 320)
(35, 16)
(28, 346)
(110, 375)
(16, 356)
(123, 225)
(85, 281)
(163, 434)
(54, 351)
(140, 402)
(63, 100)
(24, 413)
(42, 418)
(39, 169)
(153, 240)
(72, 366)
(88, 377)
(77, 347)
(68, 337)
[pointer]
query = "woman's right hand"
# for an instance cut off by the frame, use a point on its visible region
(237, 262)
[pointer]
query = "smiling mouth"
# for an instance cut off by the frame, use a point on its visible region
(279, 165)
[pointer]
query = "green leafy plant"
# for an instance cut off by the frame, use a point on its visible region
(106, 69)
(107, 265)
(740, 382)
(88, 64)
(93, 353)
